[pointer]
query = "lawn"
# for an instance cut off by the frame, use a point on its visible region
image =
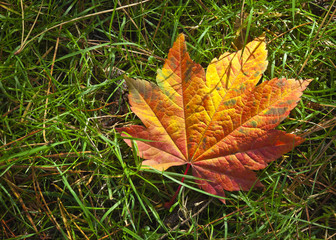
(65, 171)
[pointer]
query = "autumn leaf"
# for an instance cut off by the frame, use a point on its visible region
(220, 122)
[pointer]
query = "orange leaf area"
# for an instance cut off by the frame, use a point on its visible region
(219, 120)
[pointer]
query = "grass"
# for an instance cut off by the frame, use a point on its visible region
(66, 174)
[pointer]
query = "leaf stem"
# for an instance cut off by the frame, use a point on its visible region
(170, 203)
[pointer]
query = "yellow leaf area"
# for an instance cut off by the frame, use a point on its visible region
(219, 121)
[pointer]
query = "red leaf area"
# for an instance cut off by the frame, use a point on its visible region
(219, 121)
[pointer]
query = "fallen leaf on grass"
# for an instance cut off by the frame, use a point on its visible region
(220, 122)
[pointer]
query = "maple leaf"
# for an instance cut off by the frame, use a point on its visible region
(219, 122)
